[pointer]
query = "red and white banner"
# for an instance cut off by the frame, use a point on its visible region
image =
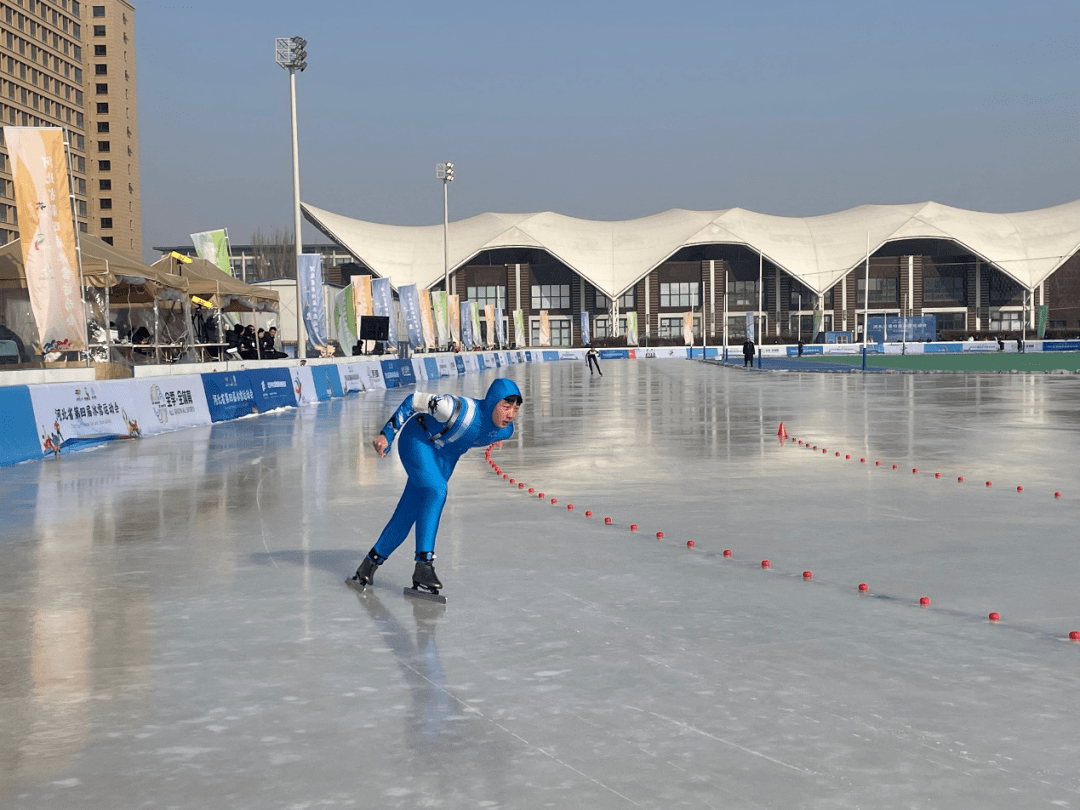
(39, 171)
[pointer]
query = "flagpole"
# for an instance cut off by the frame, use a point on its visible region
(78, 254)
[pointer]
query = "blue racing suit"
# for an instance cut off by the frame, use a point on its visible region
(435, 431)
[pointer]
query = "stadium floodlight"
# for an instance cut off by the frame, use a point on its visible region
(445, 172)
(291, 54)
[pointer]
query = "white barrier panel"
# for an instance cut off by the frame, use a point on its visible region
(170, 403)
(352, 376)
(447, 366)
(303, 385)
(471, 364)
(419, 369)
(70, 415)
(373, 376)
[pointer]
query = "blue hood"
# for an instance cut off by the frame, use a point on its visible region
(500, 389)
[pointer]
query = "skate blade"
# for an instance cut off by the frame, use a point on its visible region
(355, 585)
(416, 593)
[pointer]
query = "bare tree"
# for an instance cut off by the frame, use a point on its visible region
(275, 255)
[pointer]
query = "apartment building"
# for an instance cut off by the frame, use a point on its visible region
(67, 64)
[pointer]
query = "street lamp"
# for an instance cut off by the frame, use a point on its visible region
(291, 54)
(445, 172)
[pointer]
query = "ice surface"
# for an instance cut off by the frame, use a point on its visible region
(177, 632)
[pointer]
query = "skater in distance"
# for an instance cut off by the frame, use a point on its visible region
(433, 432)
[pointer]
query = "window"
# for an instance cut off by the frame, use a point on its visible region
(106, 222)
(101, 70)
(1011, 321)
(103, 146)
(98, 11)
(559, 329)
(101, 89)
(100, 50)
(105, 204)
(679, 294)
(99, 30)
(103, 108)
(103, 126)
(626, 301)
(671, 327)
(946, 289)
(950, 321)
(104, 165)
(496, 296)
(104, 185)
(882, 291)
(742, 293)
(551, 296)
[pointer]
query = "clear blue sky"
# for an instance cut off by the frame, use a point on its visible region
(603, 110)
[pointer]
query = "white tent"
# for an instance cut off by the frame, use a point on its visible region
(613, 256)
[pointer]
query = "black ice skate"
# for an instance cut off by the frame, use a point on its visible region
(425, 582)
(365, 574)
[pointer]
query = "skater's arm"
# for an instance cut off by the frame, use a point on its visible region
(441, 407)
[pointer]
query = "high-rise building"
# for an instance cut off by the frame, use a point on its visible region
(68, 64)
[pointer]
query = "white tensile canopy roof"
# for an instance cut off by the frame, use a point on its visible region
(613, 256)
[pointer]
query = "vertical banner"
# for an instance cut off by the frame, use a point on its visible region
(519, 329)
(42, 203)
(466, 326)
(382, 304)
(489, 317)
(427, 323)
(214, 247)
(309, 278)
(545, 329)
(688, 328)
(749, 325)
(474, 319)
(362, 302)
(410, 308)
(631, 329)
(500, 332)
(345, 319)
(438, 314)
(453, 307)
(818, 316)
(586, 338)
(1042, 317)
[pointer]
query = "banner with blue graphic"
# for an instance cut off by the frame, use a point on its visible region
(309, 279)
(229, 395)
(272, 388)
(410, 308)
(898, 329)
(391, 373)
(18, 441)
(382, 304)
(586, 339)
(467, 341)
(327, 382)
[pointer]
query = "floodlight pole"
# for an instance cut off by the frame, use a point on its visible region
(445, 172)
(866, 296)
(291, 54)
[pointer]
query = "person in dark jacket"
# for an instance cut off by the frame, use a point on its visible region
(748, 350)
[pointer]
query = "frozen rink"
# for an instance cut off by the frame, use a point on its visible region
(176, 632)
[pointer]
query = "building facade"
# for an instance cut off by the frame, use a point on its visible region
(67, 64)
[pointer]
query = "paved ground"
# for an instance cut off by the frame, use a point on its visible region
(177, 634)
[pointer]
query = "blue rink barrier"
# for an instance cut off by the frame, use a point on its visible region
(431, 367)
(272, 388)
(229, 395)
(18, 439)
(328, 381)
(391, 371)
(1061, 346)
